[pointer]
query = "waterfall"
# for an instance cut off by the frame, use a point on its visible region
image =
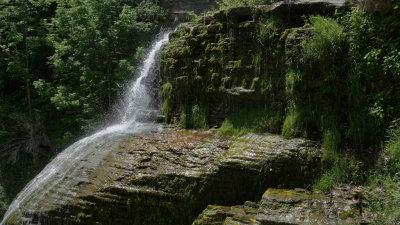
(136, 116)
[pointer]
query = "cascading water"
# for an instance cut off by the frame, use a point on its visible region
(136, 105)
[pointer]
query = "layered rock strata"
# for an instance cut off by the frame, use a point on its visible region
(237, 57)
(170, 177)
(298, 206)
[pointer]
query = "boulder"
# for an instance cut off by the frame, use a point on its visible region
(169, 177)
(298, 206)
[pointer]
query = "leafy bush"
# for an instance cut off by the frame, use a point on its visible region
(327, 39)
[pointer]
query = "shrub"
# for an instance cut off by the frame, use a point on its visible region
(327, 39)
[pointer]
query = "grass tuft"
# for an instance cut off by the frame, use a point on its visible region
(247, 119)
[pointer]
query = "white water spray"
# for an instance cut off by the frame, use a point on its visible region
(135, 107)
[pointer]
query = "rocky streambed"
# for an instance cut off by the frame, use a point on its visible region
(170, 177)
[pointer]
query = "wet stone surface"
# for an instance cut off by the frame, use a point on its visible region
(171, 176)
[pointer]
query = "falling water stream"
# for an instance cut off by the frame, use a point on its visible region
(136, 116)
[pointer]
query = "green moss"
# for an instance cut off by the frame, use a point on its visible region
(294, 194)
(332, 139)
(267, 27)
(194, 116)
(291, 126)
(199, 116)
(83, 218)
(237, 64)
(342, 169)
(327, 40)
(349, 214)
(166, 110)
(293, 78)
(184, 120)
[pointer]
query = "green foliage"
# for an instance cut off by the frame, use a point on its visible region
(195, 116)
(184, 119)
(166, 92)
(96, 39)
(392, 149)
(199, 116)
(226, 4)
(380, 178)
(267, 27)
(252, 119)
(332, 139)
(383, 190)
(383, 199)
(293, 79)
(62, 64)
(340, 169)
(296, 121)
(327, 39)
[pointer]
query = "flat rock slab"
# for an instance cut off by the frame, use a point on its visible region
(298, 206)
(169, 177)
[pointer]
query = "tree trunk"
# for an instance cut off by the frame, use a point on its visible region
(28, 80)
(28, 94)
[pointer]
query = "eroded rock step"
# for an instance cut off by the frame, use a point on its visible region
(298, 206)
(170, 177)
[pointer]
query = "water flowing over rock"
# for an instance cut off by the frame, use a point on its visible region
(169, 177)
(73, 168)
(134, 172)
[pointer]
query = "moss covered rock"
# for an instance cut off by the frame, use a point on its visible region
(171, 176)
(298, 206)
(235, 57)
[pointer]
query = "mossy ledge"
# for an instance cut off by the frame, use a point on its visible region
(298, 206)
(170, 177)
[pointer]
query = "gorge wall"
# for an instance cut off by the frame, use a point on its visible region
(271, 58)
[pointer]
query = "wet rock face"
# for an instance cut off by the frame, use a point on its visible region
(171, 176)
(298, 206)
(236, 57)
